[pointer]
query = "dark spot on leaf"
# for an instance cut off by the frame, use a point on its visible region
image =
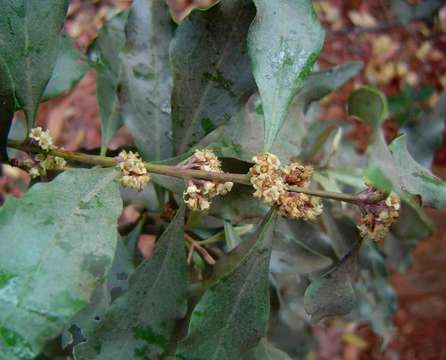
(207, 125)
(149, 336)
(4, 278)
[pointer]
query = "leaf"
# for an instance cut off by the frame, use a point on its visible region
(239, 206)
(284, 42)
(139, 324)
(64, 238)
(233, 313)
(146, 84)
(105, 54)
(369, 105)
(406, 12)
(300, 248)
(332, 294)
(376, 297)
(180, 9)
(266, 351)
(321, 83)
(29, 47)
(232, 239)
(68, 71)
(7, 107)
(416, 179)
(425, 135)
(212, 87)
(405, 234)
(246, 128)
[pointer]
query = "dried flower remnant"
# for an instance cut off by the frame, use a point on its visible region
(377, 218)
(297, 174)
(270, 181)
(298, 205)
(266, 178)
(133, 170)
(199, 192)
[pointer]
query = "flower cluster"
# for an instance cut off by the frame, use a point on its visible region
(270, 181)
(377, 218)
(298, 205)
(199, 192)
(133, 170)
(266, 178)
(40, 164)
(42, 138)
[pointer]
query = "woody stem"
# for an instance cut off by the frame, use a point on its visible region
(175, 171)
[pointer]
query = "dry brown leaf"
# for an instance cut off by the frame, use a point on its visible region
(179, 9)
(361, 19)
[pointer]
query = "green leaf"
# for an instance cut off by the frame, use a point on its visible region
(246, 128)
(266, 351)
(117, 283)
(239, 206)
(416, 179)
(284, 42)
(139, 324)
(68, 71)
(146, 82)
(212, 87)
(369, 105)
(321, 83)
(424, 136)
(7, 107)
(57, 245)
(232, 315)
(424, 10)
(405, 234)
(376, 297)
(105, 54)
(300, 248)
(29, 47)
(333, 293)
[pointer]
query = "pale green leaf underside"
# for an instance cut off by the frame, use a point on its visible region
(416, 179)
(56, 246)
(138, 325)
(232, 315)
(284, 41)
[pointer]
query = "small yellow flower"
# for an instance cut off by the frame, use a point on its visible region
(199, 192)
(133, 170)
(300, 206)
(266, 178)
(270, 182)
(297, 174)
(42, 138)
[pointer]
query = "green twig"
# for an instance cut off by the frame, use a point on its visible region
(178, 172)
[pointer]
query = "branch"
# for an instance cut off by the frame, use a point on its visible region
(243, 179)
